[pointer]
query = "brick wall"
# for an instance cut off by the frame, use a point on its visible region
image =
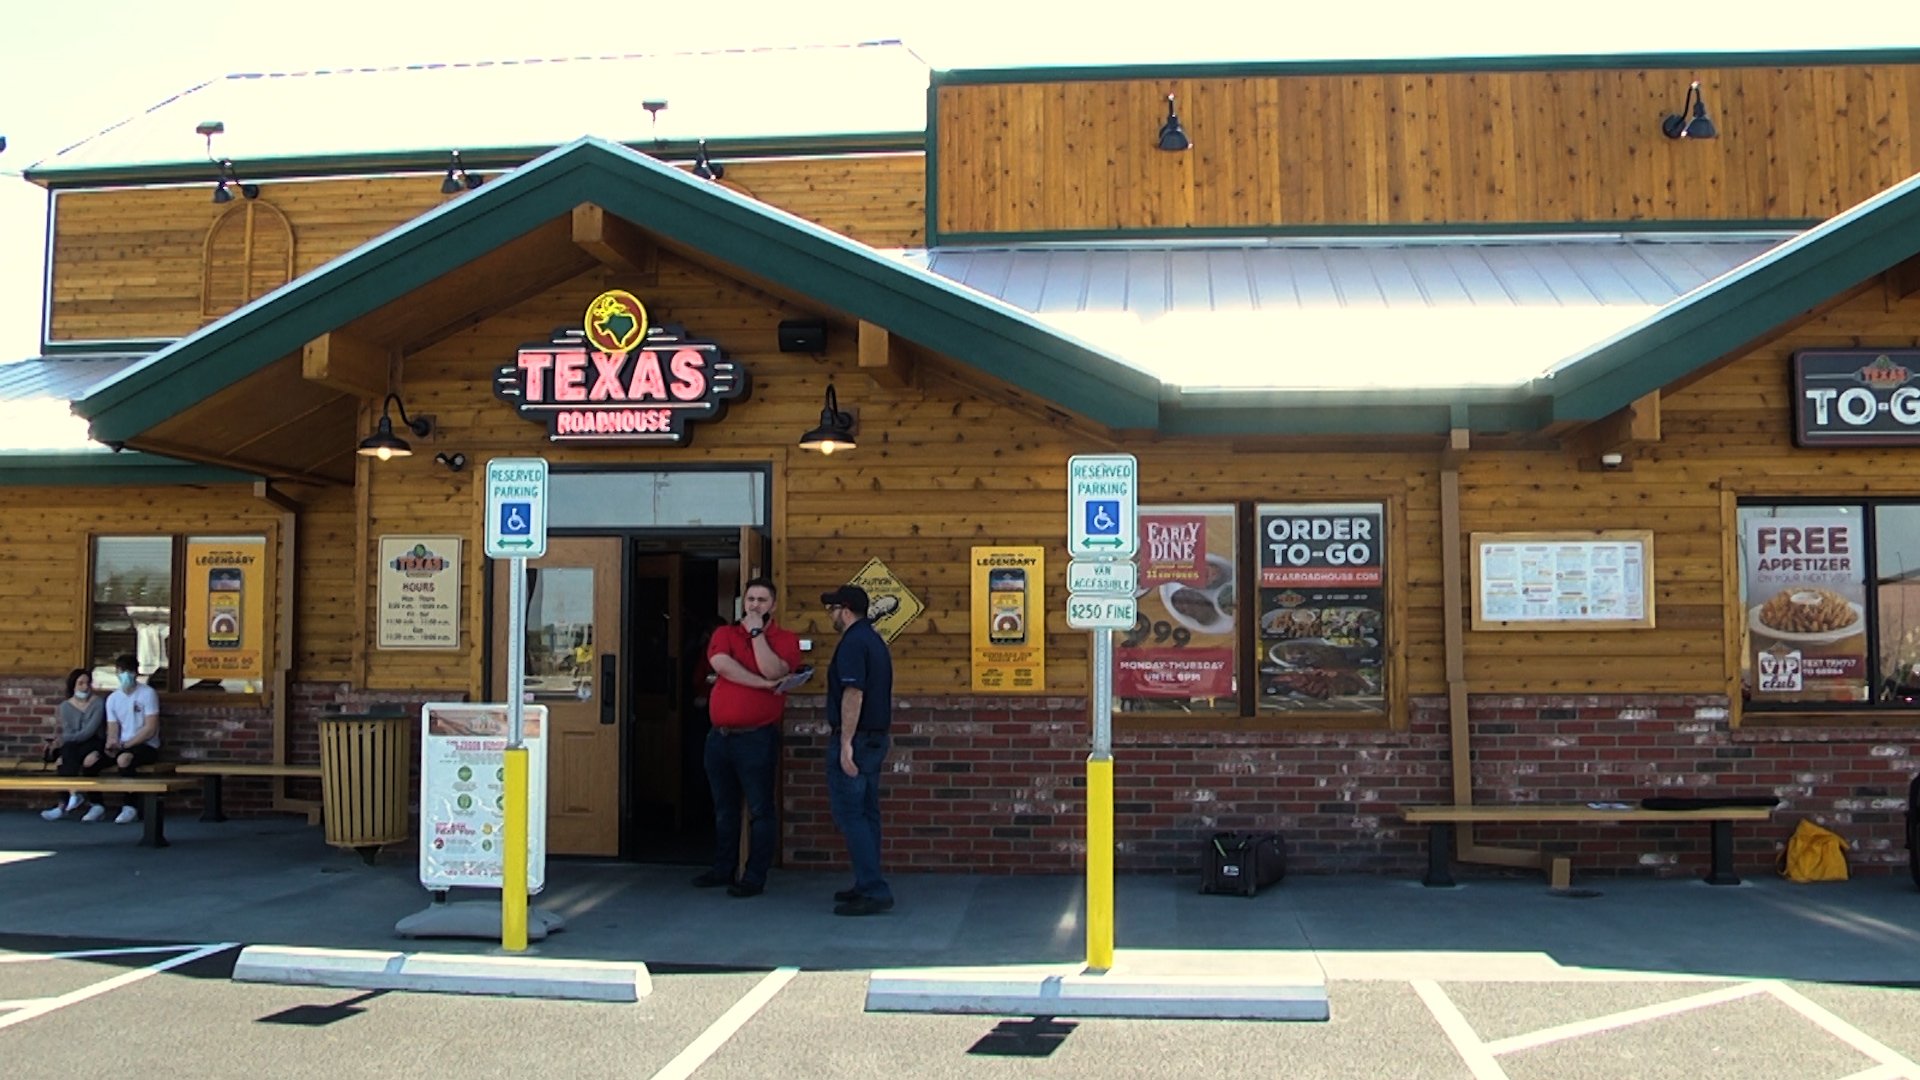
(998, 785)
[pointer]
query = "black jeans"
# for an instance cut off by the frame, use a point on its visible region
(742, 765)
(73, 756)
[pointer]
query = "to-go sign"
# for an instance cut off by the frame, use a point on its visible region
(1323, 544)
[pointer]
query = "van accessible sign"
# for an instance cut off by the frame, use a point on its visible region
(1856, 397)
(619, 380)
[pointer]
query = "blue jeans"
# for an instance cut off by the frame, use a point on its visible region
(743, 765)
(856, 809)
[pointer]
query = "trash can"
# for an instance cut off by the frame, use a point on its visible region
(363, 781)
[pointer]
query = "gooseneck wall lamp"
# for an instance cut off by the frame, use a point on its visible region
(223, 191)
(1173, 137)
(1691, 122)
(835, 431)
(383, 443)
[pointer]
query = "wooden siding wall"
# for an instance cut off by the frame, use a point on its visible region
(1453, 148)
(127, 263)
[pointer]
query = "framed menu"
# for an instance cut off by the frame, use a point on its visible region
(1598, 580)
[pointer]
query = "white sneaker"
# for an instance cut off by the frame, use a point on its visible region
(128, 815)
(54, 813)
(73, 802)
(94, 813)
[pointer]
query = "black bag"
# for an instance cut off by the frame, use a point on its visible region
(1241, 863)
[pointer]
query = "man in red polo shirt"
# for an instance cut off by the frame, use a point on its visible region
(748, 658)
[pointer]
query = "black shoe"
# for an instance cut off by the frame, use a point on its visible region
(845, 895)
(711, 880)
(863, 905)
(741, 890)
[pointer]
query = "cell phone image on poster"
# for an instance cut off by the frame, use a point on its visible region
(1007, 606)
(224, 586)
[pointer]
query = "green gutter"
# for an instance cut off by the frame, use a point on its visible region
(1388, 229)
(932, 154)
(1427, 65)
(67, 468)
(55, 177)
(1747, 305)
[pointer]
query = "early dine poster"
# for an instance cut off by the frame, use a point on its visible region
(1805, 623)
(226, 587)
(1009, 627)
(419, 605)
(1322, 607)
(463, 789)
(1179, 655)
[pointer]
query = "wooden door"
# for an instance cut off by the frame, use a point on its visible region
(573, 667)
(658, 663)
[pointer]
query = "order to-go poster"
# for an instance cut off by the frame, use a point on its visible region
(419, 592)
(1180, 652)
(1009, 628)
(226, 588)
(1322, 606)
(1806, 624)
(463, 794)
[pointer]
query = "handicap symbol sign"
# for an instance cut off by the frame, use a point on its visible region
(516, 519)
(1103, 518)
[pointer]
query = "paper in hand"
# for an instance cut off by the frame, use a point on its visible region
(794, 680)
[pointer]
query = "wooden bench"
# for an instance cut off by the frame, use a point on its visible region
(33, 766)
(212, 773)
(1440, 821)
(151, 789)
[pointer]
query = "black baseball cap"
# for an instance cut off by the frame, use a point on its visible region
(851, 597)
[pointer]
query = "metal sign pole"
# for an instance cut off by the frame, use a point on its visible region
(513, 833)
(1100, 810)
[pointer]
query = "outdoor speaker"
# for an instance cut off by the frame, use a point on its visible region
(802, 335)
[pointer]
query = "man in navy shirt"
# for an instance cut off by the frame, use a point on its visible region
(860, 709)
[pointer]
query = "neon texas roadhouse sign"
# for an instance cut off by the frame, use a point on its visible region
(619, 380)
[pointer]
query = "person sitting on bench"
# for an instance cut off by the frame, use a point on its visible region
(78, 719)
(133, 734)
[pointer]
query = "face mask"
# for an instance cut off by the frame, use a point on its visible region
(82, 695)
(126, 681)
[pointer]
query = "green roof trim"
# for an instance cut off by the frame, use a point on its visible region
(67, 468)
(734, 230)
(932, 162)
(1746, 305)
(486, 159)
(1355, 230)
(1416, 65)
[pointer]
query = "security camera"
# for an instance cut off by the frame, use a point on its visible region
(116, 446)
(1610, 461)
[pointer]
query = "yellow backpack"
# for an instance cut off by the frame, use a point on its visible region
(1814, 854)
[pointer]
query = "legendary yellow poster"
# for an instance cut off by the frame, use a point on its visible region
(1009, 619)
(226, 589)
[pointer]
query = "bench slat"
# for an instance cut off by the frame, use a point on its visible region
(129, 784)
(206, 768)
(1577, 812)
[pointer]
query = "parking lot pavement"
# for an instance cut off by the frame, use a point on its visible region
(72, 1007)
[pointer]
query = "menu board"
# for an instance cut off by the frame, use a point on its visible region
(1563, 581)
(1321, 646)
(463, 794)
(1179, 654)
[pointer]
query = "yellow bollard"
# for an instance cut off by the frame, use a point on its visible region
(1100, 863)
(513, 855)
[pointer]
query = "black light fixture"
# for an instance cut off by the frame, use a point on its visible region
(1173, 137)
(458, 178)
(653, 108)
(383, 443)
(454, 461)
(705, 169)
(228, 179)
(1691, 122)
(835, 431)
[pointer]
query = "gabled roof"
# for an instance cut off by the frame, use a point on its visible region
(731, 229)
(871, 94)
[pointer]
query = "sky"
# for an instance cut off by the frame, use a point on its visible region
(71, 68)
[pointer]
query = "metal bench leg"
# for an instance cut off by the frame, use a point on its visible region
(211, 809)
(153, 821)
(1439, 855)
(1722, 873)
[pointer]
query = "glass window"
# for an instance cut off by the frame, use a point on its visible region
(1896, 601)
(139, 606)
(559, 631)
(1322, 605)
(1810, 621)
(1182, 653)
(132, 606)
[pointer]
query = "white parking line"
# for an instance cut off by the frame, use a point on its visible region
(1465, 1040)
(1621, 1019)
(1845, 1032)
(126, 978)
(717, 1033)
(81, 954)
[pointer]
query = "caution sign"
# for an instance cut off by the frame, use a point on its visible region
(890, 605)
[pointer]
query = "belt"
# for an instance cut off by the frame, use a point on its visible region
(719, 729)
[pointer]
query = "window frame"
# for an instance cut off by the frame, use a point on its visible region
(176, 615)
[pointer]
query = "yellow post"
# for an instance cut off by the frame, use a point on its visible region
(513, 852)
(1100, 863)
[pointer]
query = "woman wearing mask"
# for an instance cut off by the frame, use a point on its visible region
(78, 721)
(133, 734)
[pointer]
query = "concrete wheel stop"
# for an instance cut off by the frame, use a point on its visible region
(1156, 984)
